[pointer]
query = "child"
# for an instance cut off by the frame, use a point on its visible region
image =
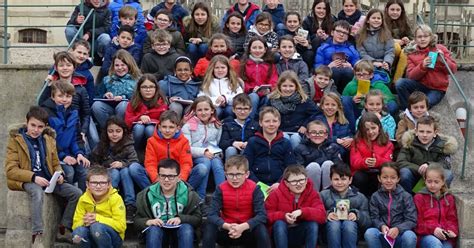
(295, 210)
(290, 59)
(80, 51)
(99, 218)
(264, 28)
(353, 101)
(160, 62)
(199, 26)
(203, 130)
(124, 40)
(343, 231)
(417, 108)
(171, 6)
(234, 28)
(219, 45)
(295, 108)
(437, 224)
(180, 86)
(392, 211)
(116, 5)
(128, 15)
(246, 9)
(351, 13)
(433, 81)
(101, 28)
(164, 21)
(320, 83)
(167, 209)
(276, 10)
(168, 142)
(65, 121)
(346, 55)
(237, 215)
(257, 69)
(30, 161)
(116, 88)
(420, 148)
(319, 23)
(370, 150)
(144, 110)
(374, 103)
(115, 152)
(221, 85)
(374, 41)
(317, 154)
(237, 131)
(268, 152)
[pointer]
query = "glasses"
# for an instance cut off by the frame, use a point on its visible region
(296, 182)
(169, 177)
(162, 20)
(317, 133)
(148, 87)
(362, 74)
(96, 184)
(423, 36)
(234, 175)
(242, 109)
(161, 44)
(341, 32)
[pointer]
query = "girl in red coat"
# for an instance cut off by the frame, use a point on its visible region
(370, 150)
(437, 224)
(144, 110)
(294, 210)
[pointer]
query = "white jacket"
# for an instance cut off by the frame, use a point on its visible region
(221, 87)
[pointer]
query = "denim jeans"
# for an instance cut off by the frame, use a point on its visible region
(103, 110)
(406, 86)
(351, 111)
(98, 235)
(122, 176)
(65, 190)
(293, 137)
(342, 233)
(93, 135)
(157, 237)
(408, 179)
(430, 241)
(141, 133)
(200, 173)
(75, 173)
(196, 51)
(319, 174)
(224, 112)
(305, 233)
(139, 176)
(257, 237)
(375, 239)
(231, 151)
(101, 42)
(256, 103)
(341, 77)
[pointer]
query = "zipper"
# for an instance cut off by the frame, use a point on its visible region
(439, 211)
(168, 150)
(389, 206)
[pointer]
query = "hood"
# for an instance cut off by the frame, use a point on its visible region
(175, 136)
(424, 191)
(380, 76)
(253, 29)
(86, 65)
(103, 3)
(450, 145)
(286, 191)
(90, 198)
(278, 137)
(77, 78)
(16, 129)
(399, 189)
(174, 80)
(182, 188)
(279, 8)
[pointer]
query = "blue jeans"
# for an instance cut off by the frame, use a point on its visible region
(98, 235)
(305, 233)
(101, 42)
(231, 151)
(139, 176)
(341, 77)
(351, 111)
(375, 239)
(123, 177)
(200, 174)
(75, 173)
(406, 86)
(196, 51)
(157, 237)
(103, 110)
(224, 112)
(257, 237)
(293, 137)
(93, 135)
(342, 233)
(319, 174)
(408, 179)
(430, 241)
(141, 133)
(256, 103)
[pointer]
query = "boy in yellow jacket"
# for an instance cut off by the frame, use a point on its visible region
(99, 220)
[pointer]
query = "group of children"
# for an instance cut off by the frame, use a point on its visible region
(168, 121)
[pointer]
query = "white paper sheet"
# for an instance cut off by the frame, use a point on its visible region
(52, 182)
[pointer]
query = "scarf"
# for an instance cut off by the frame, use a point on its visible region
(210, 54)
(33, 157)
(256, 60)
(286, 104)
(351, 19)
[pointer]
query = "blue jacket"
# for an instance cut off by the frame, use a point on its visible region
(66, 124)
(302, 115)
(84, 70)
(267, 161)
(116, 5)
(119, 86)
(328, 48)
(134, 50)
(308, 152)
(250, 14)
(337, 131)
(178, 12)
(172, 86)
(232, 131)
(278, 14)
(140, 32)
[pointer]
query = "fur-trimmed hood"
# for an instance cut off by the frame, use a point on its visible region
(14, 130)
(447, 143)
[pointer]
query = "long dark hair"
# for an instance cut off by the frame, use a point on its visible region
(401, 23)
(361, 134)
(207, 27)
(326, 25)
(243, 29)
(137, 96)
(102, 149)
(267, 58)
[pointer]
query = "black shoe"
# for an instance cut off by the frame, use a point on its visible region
(130, 212)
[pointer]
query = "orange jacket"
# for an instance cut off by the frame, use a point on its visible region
(176, 148)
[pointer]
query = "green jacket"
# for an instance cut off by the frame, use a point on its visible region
(351, 90)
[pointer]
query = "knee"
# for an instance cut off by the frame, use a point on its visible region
(372, 234)
(313, 167)
(125, 171)
(280, 227)
(154, 231)
(82, 232)
(405, 174)
(349, 226)
(202, 169)
(97, 229)
(312, 227)
(333, 226)
(409, 239)
(185, 230)
(135, 168)
(327, 165)
(149, 130)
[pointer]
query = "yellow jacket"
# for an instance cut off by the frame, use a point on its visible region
(110, 211)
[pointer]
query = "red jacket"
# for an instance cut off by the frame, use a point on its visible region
(237, 204)
(361, 151)
(257, 75)
(154, 113)
(282, 201)
(433, 212)
(436, 78)
(177, 148)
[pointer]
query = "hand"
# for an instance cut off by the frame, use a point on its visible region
(384, 229)
(49, 78)
(89, 219)
(347, 65)
(83, 160)
(378, 64)
(41, 181)
(220, 101)
(297, 213)
(60, 179)
(116, 165)
(86, 36)
(405, 40)
(109, 95)
(438, 232)
(195, 40)
(237, 230)
(357, 98)
(239, 145)
(118, 98)
(426, 62)
(273, 187)
(174, 221)
(393, 232)
(69, 160)
(352, 217)
(386, 66)
(345, 142)
(422, 169)
(174, 98)
(289, 218)
(379, 116)
(154, 222)
(335, 63)
(80, 19)
(332, 216)
(370, 162)
(301, 130)
(208, 154)
(451, 234)
(145, 119)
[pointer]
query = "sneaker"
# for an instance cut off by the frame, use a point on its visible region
(130, 211)
(65, 236)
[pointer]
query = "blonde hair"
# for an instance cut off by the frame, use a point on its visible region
(435, 167)
(384, 35)
(292, 77)
(340, 117)
(209, 76)
(364, 65)
(426, 29)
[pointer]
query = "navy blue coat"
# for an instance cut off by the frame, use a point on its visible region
(172, 86)
(134, 50)
(338, 131)
(302, 115)
(232, 131)
(308, 152)
(84, 70)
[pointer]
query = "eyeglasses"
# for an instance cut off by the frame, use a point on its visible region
(296, 182)
(161, 44)
(341, 32)
(162, 20)
(234, 175)
(96, 184)
(169, 177)
(148, 87)
(242, 109)
(423, 36)
(362, 74)
(316, 133)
